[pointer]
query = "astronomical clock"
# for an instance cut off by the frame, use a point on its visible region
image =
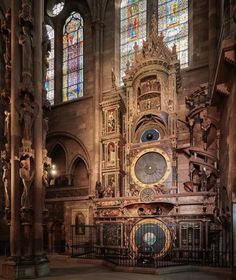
(140, 201)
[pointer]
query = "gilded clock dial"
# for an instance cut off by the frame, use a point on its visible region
(150, 167)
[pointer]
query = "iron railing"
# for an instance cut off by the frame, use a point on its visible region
(125, 247)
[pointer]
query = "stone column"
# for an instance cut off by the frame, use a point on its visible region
(41, 263)
(97, 38)
(26, 239)
(10, 266)
(15, 241)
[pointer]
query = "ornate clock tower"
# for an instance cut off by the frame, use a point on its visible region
(138, 171)
(151, 85)
(140, 199)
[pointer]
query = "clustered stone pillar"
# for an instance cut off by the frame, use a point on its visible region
(24, 141)
(5, 97)
(98, 26)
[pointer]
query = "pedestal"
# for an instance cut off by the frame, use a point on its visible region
(22, 269)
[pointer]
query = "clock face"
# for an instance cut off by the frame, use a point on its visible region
(150, 166)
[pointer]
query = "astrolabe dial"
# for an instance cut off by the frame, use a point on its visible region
(150, 168)
(147, 195)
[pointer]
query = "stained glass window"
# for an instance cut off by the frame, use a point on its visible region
(173, 23)
(73, 57)
(133, 29)
(49, 83)
(57, 8)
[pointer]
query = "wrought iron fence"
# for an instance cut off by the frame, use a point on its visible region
(148, 244)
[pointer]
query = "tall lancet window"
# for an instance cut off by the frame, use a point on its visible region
(49, 83)
(73, 57)
(133, 16)
(173, 23)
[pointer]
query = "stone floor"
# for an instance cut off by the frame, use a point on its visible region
(69, 269)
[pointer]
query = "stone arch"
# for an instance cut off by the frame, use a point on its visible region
(58, 155)
(75, 149)
(80, 173)
(144, 122)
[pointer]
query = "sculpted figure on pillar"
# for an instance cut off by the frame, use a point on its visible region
(26, 117)
(26, 41)
(7, 128)
(6, 32)
(6, 176)
(25, 16)
(26, 175)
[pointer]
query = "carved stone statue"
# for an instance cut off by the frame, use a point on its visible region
(45, 178)
(111, 121)
(6, 32)
(99, 190)
(7, 126)
(25, 16)
(113, 78)
(26, 117)
(6, 176)
(110, 189)
(111, 153)
(26, 41)
(203, 179)
(26, 175)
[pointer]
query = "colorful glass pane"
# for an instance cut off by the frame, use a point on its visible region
(73, 57)
(49, 82)
(57, 8)
(173, 23)
(133, 29)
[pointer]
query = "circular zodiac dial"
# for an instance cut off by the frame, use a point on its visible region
(150, 167)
